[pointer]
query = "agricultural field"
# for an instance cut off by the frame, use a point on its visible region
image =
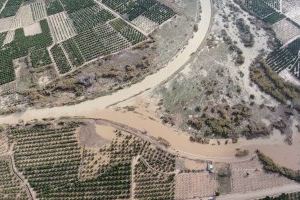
(6, 24)
(286, 30)
(73, 52)
(61, 27)
(2, 2)
(40, 57)
(121, 166)
(54, 7)
(88, 35)
(10, 185)
(127, 31)
(11, 8)
(145, 24)
(102, 40)
(60, 59)
(286, 57)
(74, 5)
(265, 10)
(38, 9)
(90, 17)
(84, 31)
(19, 47)
(291, 9)
(151, 9)
(145, 14)
(198, 184)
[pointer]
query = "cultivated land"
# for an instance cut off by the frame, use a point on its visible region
(149, 99)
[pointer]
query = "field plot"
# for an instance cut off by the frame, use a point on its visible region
(16, 23)
(9, 37)
(150, 183)
(3, 144)
(290, 6)
(275, 4)
(11, 8)
(127, 31)
(10, 186)
(100, 41)
(151, 9)
(22, 18)
(249, 176)
(7, 73)
(61, 27)
(54, 7)
(145, 24)
(2, 38)
(38, 10)
(25, 15)
(20, 47)
(285, 30)
(159, 13)
(74, 5)
(89, 17)
(60, 59)
(33, 29)
(73, 52)
(2, 2)
(44, 152)
(111, 40)
(40, 57)
(286, 57)
(264, 11)
(89, 45)
(280, 59)
(191, 185)
(6, 24)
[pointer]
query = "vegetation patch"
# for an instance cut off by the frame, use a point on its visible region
(49, 156)
(40, 57)
(11, 8)
(224, 121)
(272, 84)
(261, 9)
(127, 31)
(60, 59)
(291, 196)
(10, 186)
(247, 38)
(89, 17)
(54, 7)
(153, 185)
(73, 52)
(74, 5)
(20, 47)
(271, 166)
